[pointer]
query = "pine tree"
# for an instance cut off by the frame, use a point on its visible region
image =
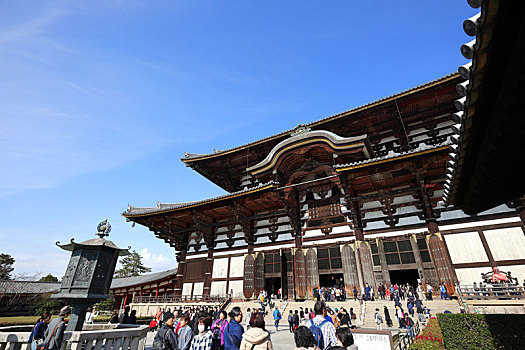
(6, 266)
(131, 266)
(48, 278)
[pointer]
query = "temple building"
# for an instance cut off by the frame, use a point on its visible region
(351, 199)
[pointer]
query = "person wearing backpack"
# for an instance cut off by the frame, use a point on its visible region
(378, 319)
(323, 331)
(290, 321)
(304, 339)
(165, 338)
(234, 330)
(277, 317)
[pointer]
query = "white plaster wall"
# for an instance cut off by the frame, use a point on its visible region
(236, 286)
(218, 288)
(465, 248)
(506, 243)
(186, 289)
(237, 266)
(220, 268)
(471, 275)
(198, 288)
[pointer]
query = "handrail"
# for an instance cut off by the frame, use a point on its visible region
(128, 338)
(225, 303)
(459, 294)
(492, 291)
(408, 338)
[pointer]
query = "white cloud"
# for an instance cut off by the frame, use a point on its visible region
(157, 262)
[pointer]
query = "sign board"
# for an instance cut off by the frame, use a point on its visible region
(372, 340)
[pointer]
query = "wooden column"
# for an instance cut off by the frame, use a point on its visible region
(367, 264)
(417, 256)
(349, 269)
(382, 260)
(300, 274)
(181, 271)
(312, 271)
(436, 246)
(207, 274)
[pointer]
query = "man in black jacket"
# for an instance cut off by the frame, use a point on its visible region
(166, 335)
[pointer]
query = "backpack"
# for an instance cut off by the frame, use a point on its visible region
(318, 334)
(290, 319)
(159, 343)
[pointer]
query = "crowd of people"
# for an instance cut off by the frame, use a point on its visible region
(209, 329)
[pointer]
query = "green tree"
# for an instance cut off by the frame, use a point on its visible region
(131, 266)
(6, 266)
(48, 278)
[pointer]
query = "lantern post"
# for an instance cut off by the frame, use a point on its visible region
(89, 273)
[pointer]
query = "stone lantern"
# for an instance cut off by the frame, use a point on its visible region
(89, 273)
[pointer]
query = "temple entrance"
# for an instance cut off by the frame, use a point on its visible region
(331, 280)
(404, 276)
(272, 284)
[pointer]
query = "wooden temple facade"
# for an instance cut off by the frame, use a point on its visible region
(351, 199)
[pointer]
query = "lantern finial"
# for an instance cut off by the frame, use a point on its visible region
(103, 229)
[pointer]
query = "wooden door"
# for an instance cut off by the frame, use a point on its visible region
(249, 276)
(349, 269)
(259, 272)
(312, 271)
(300, 274)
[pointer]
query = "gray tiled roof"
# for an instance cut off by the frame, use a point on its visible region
(480, 26)
(143, 279)
(161, 207)
(421, 148)
(28, 287)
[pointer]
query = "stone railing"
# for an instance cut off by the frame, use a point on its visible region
(105, 337)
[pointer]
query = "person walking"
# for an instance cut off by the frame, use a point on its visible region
(203, 340)
(290, 321)
(248, 316)
(185, 333)
(429, 292)
(37, 333)
(165, 338)
(256, 338)
(378, 320)
(233, 332)
(443, 291)
(388, 320)
(295, 320)
(55, 331)
(277, 317)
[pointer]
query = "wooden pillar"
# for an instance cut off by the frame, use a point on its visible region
(419, 261)
(349, 269)
(436, 246)
(207, 274)
(181, 271)
(382, 260)
(367, 264)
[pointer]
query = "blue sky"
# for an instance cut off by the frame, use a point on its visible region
(100, 99)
